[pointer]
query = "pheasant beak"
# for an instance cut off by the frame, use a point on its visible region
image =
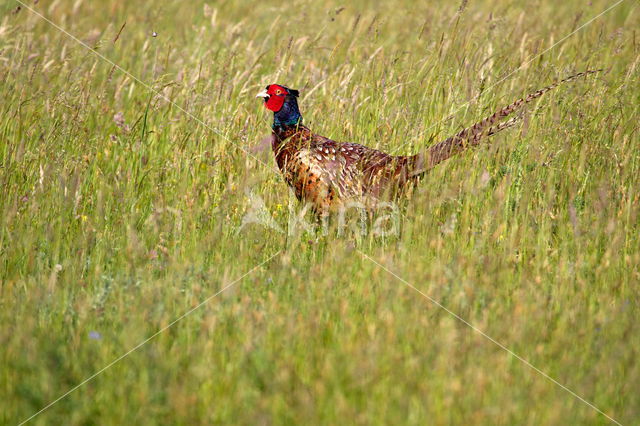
(264, 95)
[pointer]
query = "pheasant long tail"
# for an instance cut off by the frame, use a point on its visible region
(473, 135)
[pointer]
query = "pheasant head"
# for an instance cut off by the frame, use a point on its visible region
(282, 101)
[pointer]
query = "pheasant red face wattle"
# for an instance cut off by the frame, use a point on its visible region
(274, 96)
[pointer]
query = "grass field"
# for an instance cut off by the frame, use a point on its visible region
(122, 202)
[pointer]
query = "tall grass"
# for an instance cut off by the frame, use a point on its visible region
(120, 212)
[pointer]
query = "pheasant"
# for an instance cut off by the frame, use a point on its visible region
(329, 174)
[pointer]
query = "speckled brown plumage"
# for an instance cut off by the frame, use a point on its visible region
(326, 173)
(329, 174)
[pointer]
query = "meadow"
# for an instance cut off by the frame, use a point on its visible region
(130, 156)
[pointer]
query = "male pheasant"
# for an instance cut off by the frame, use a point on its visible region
(330, 174)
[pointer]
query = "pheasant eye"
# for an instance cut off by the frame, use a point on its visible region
(278, 92)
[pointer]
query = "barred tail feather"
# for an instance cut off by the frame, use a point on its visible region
(473, 135)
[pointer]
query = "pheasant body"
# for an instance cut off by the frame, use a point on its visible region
(327, 173)
(330, 174)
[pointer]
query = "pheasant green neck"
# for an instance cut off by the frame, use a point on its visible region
(289, 115)
(289, 123)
